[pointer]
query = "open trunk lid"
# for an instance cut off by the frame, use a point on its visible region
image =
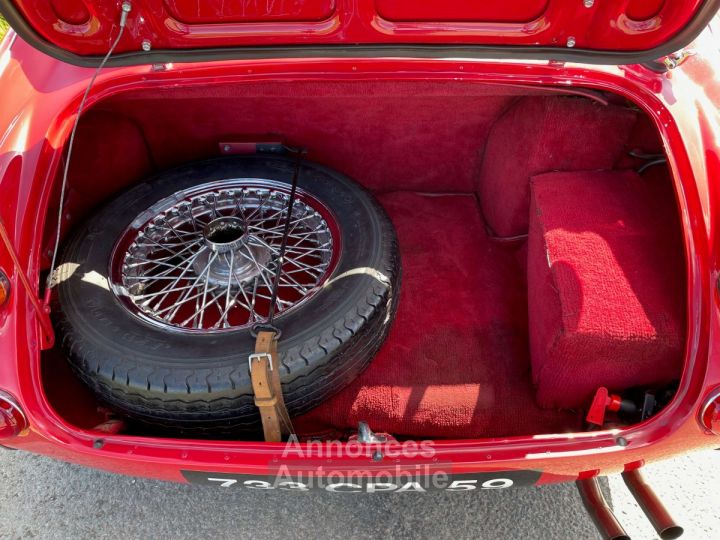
(618, 32)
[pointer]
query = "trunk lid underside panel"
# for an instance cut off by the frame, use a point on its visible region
(604, 32)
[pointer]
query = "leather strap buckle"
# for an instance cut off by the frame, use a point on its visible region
(267, 388)
(260, 356)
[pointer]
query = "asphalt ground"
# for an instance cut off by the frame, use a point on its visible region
(43, 498)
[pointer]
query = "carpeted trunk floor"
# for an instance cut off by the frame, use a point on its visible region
(456, 363)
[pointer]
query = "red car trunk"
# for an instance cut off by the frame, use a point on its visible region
(460, 168)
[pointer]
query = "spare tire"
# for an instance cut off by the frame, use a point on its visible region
(159, 291)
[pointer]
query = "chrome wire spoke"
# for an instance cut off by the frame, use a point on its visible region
(298, 271)
(163, 246)
(167, 258)
(229, 304)
(195, 284)
(299, 264)
(154, 263)
(206, 260)
(159, 293)
(184, 270)
(305, 253)
(167, 227)
(263, 270)
(290, 282)
(279, 301)
(173, 307)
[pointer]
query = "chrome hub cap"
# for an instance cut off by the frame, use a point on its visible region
(205, 259)
(245, 254)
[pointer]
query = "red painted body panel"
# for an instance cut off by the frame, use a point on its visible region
(40, 96)
(86, 27)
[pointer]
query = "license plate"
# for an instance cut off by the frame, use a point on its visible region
(367, 482)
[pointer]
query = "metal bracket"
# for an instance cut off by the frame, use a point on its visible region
(673, 60)
(366, 435)
(47, 334)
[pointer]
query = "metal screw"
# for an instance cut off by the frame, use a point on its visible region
(571, 41)
(588, 3)
(226, 148)
(146, 45)
(621, 441)
(98, 443)
(377, 455)
(125, 10)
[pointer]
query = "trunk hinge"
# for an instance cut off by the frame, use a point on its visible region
(42, 309)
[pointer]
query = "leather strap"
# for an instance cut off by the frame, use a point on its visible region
(265, 377)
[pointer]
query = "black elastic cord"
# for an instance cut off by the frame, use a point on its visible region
(281, 257)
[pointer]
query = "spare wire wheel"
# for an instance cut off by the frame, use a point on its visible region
(206, 258)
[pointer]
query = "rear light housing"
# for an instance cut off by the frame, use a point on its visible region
(710, 413)
(12, 419)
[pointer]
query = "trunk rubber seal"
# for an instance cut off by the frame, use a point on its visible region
(589, 56)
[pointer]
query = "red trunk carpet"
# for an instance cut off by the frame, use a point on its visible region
(456, 363)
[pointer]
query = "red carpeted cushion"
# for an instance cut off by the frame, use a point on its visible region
(456, 363)
(605, 285)
(543, 134)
